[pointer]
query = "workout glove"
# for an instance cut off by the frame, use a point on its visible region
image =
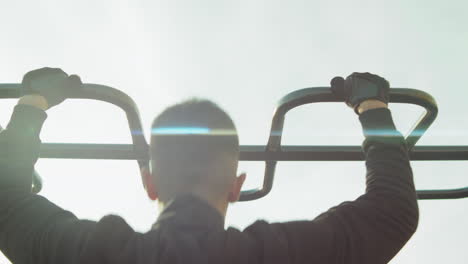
(359, 87)
(52, 83)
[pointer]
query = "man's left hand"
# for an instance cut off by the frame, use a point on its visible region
(51, 84)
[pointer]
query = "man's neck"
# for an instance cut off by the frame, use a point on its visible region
(219, 205)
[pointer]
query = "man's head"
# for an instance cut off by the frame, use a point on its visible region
(194, 150)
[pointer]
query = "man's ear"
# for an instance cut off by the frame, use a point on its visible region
(148, 183)
(234, 194)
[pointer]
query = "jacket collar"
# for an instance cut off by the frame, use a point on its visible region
(190, 211)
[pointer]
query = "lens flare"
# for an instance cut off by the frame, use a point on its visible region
(180, 131)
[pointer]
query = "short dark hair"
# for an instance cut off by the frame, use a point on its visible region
(186, 139)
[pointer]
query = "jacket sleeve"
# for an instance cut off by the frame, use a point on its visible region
(373, 228)
(32, 229)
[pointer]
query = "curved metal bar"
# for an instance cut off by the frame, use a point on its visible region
(105, 94)
(324, 94)
(37, 182)
(442, 194)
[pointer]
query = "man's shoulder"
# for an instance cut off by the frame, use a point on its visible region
(113, 227)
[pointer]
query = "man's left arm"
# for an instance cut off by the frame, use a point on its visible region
(31, 227)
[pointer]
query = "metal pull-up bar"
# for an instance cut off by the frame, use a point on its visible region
(139, 148)
(324, 94)
(272, 152)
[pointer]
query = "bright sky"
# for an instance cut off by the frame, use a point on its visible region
(245, 55)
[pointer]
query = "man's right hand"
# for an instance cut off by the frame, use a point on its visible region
(53, 84)
(362, 91)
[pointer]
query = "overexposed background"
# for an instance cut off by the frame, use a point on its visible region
(246, 55)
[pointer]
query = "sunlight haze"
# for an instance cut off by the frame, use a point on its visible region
(246, 55)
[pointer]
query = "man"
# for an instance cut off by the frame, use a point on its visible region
(194, 156)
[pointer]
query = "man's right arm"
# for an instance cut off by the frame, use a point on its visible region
(373, 228)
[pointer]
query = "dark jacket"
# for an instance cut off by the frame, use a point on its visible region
(371, 229)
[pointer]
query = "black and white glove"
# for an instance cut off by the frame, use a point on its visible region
(52, 83)
(359, 87)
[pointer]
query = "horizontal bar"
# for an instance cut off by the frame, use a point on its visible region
(258, 153)
(443, 194)
(89, 151)
(250, 152)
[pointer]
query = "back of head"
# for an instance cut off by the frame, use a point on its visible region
(194, 149)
